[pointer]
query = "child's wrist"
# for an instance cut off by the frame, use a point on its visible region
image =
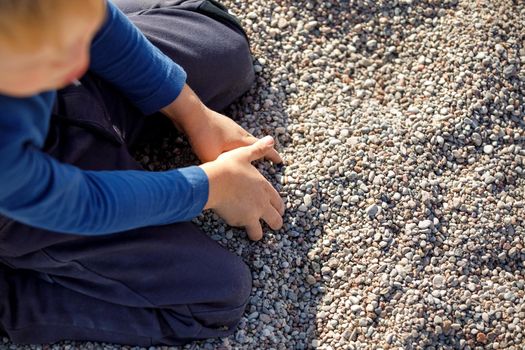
(213, 174)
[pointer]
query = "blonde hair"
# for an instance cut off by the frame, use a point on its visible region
(24, 24)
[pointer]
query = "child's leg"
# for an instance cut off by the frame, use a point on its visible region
(203, 39)
(167, 285)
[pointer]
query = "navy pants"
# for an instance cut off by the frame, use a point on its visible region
(164, 285)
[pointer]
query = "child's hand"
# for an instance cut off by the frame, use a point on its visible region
(210, 133)
(218, 134)
(240, 194)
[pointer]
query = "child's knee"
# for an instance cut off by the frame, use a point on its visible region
(244, 284)
(238, 277)
(239, 59)
(221, 317)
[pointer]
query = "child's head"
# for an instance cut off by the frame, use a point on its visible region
(44, 44)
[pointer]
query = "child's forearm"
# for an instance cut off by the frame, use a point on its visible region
(187, 111)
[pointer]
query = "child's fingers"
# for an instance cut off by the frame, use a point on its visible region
(254, 231)
(260, 149)
(276, 200)
(274, 156)
(273, 218)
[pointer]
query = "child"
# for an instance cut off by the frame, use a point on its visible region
(92, 247)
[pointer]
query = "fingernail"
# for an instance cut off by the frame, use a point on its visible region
(268, 140)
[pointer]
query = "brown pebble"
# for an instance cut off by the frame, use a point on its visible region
(481, 338)
(446, 325)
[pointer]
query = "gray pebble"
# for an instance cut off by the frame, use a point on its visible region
(372, 210)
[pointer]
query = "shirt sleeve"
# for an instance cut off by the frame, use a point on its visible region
(122, 55)
(37, 190)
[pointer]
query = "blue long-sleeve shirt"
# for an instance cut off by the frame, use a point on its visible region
(38, 190)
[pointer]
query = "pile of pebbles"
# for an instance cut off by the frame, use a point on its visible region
(402, 127)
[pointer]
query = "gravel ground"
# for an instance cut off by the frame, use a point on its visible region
(402, 126)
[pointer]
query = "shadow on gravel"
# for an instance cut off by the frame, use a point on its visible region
(287, 284)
